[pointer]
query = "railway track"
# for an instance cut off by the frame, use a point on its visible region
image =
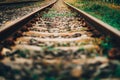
(58, 43)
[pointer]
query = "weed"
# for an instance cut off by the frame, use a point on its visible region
(101, 11)
(106, 45)
(55, 14)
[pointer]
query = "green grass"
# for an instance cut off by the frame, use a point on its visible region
(102, 12)
(53, 14)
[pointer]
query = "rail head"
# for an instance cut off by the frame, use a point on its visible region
(7, 30)
(98, 24)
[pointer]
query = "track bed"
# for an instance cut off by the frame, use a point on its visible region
(58, 44)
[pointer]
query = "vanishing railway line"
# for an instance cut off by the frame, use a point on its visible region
(58, 42)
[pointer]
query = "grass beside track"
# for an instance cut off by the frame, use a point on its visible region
(106, 12)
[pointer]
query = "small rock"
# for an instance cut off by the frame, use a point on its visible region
(77, 71)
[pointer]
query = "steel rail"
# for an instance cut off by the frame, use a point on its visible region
(12, 28)
(8, 30)
(98, 24)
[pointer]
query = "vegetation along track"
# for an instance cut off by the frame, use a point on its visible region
(57, 43)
